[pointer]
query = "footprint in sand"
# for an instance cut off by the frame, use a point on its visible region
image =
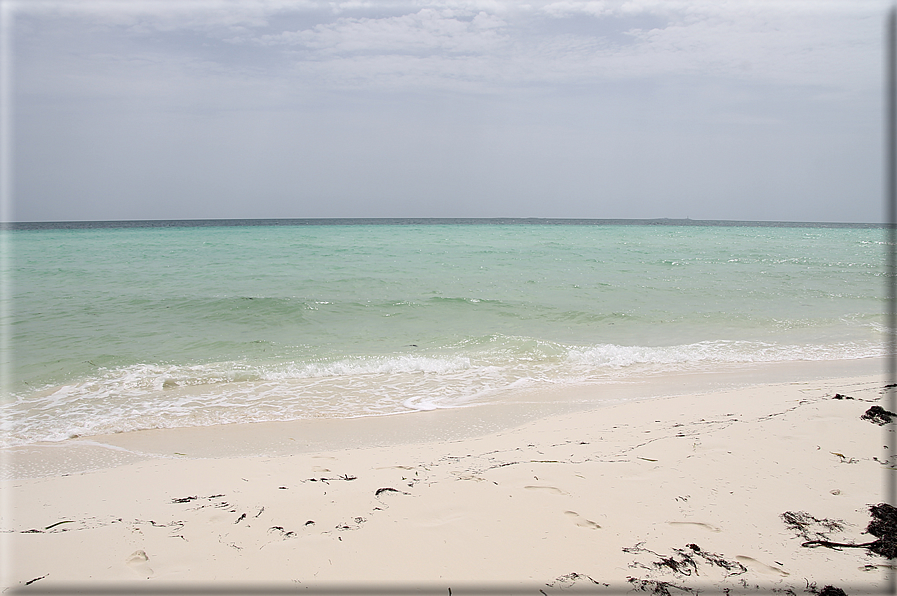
(760, 567)
(877, 567)
(550, 489)
(471, 477)
(581, 521)
(699, 524)
(138, 562)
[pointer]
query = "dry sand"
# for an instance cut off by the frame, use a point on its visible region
(676, 492)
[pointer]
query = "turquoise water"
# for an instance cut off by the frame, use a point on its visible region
(118, 329)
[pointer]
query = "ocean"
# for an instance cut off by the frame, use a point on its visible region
(116, 327)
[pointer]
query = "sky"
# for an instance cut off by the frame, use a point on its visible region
(705, 109)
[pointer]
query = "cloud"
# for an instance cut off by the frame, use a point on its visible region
(268, 51)
(567, 8)
(426, 31)
(785, 43)
(499, 42)
(770, 47)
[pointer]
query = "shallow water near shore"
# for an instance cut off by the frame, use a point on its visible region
(126, 329)
(279, 438)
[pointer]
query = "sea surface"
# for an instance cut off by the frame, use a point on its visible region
(119, 327)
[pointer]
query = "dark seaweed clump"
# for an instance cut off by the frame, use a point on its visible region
(809, 527)
(878, 415)
(883, 526)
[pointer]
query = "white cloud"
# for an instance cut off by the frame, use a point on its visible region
(566, 8)
(427, 30)
(485, 44)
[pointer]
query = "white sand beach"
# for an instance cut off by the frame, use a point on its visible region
(685, 491)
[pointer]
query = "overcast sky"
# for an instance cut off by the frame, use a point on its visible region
(717, 109)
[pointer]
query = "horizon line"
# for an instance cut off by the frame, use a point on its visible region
(286, 221)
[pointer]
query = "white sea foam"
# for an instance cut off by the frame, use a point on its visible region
(702, 354)
(153, 396)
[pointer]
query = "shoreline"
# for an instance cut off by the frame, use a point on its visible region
(593, 498)
(273, 438)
